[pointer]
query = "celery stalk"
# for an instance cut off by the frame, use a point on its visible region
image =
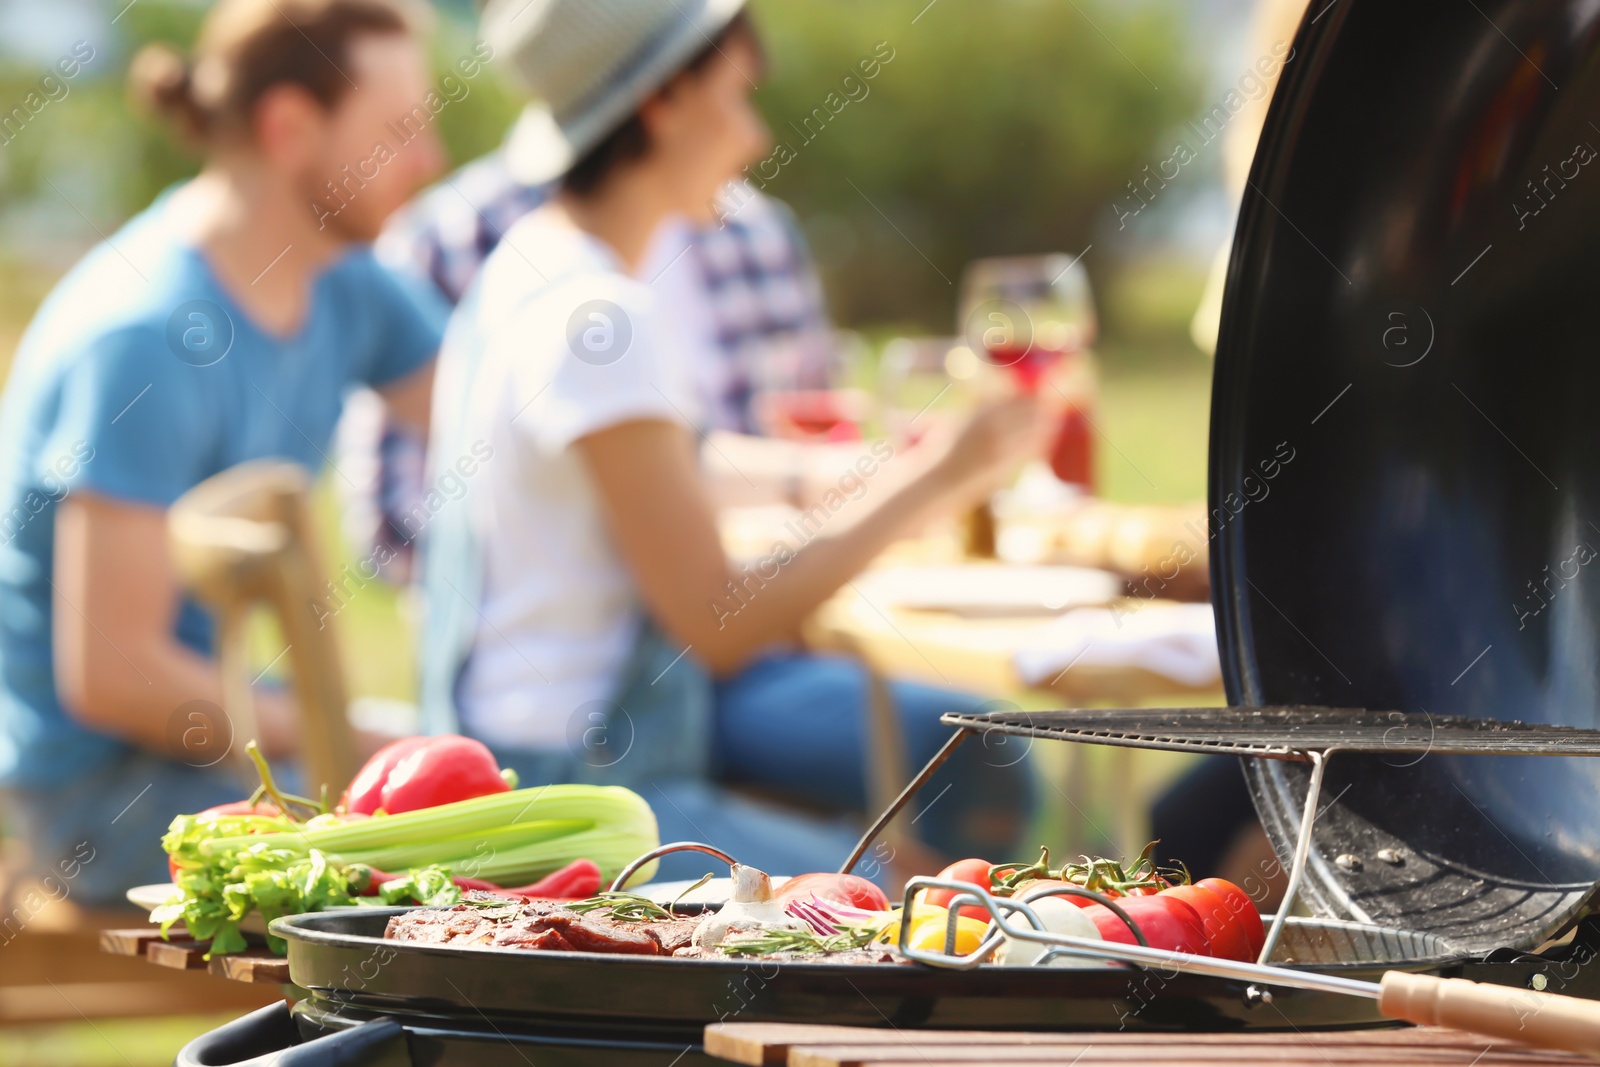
(508, 838)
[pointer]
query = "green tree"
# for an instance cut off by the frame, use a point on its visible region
(998, 126)
(94, 142)
(1006, 126)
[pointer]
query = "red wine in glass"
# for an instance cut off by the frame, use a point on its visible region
(1029, 314)
(1072, 448)
(816, 413)
(1028, 364)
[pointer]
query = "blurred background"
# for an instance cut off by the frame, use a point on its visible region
(1000, 127)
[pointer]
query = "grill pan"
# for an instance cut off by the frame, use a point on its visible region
(341, 959)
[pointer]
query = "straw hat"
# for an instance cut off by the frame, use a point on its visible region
(590, 63)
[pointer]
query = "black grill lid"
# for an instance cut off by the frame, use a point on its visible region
(1405, 456)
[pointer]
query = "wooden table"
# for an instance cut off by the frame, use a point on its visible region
(184, 953)
(843, 1046)
(977, 654)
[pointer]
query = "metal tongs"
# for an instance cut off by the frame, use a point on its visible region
(1547, 1020)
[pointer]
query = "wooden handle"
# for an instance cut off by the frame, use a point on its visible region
(1542, 1019)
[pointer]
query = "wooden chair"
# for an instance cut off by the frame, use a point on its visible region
(242, 538)
(238, 539)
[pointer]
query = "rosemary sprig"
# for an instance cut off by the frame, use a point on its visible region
(491, 904)
(782, 939)
(625, 907)
(673, 907)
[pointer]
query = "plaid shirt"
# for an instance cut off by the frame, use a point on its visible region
(762, 292)
(764, 303)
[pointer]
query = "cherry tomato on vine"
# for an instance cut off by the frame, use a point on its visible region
(1240, 905)
(1224, 933)
(1166, 922)
(972, 870)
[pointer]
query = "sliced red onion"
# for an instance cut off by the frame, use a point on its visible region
(812, 917)
(828, 917)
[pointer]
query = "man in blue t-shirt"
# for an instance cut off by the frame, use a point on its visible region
(223, 324)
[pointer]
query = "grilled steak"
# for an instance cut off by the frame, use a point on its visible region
(545, 925)
(540, 925)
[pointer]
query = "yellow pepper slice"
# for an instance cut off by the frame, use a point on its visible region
(929, 934)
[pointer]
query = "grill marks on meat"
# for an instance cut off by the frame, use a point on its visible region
(539, 925)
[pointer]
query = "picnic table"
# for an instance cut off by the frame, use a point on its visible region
(978, 654)
(977, 651)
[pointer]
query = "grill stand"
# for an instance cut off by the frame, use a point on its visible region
(1302, 853)
(1303, 734)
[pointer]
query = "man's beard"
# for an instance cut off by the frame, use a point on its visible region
(336, 213)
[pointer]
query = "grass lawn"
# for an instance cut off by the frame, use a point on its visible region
(107, 1043)
(1154, 422)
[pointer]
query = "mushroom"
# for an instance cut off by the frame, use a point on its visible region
(750, 908)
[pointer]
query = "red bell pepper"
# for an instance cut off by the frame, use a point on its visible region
(576, 881)
(365, 794)
(424, 772)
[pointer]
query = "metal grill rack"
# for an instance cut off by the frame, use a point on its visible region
(1302, 733)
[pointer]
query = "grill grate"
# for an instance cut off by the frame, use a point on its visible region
(1288, 732)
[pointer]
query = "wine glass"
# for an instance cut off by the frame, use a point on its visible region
(1034, 317)
(917, 379)
(1027, 313)
(794, 399)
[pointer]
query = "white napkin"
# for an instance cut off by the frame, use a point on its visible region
(1178, 641)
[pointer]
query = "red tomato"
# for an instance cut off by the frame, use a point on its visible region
(1225, 934)
(1244, 909)
(974, 871)
(847, 889)
(1166, 922)
(365, 794)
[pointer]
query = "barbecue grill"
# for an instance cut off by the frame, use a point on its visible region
(1407, 320)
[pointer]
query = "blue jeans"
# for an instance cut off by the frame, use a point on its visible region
(794, 726)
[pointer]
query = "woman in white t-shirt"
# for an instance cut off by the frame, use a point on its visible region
(583, 618)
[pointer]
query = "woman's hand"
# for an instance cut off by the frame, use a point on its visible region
(986, 451)
(664, 526)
